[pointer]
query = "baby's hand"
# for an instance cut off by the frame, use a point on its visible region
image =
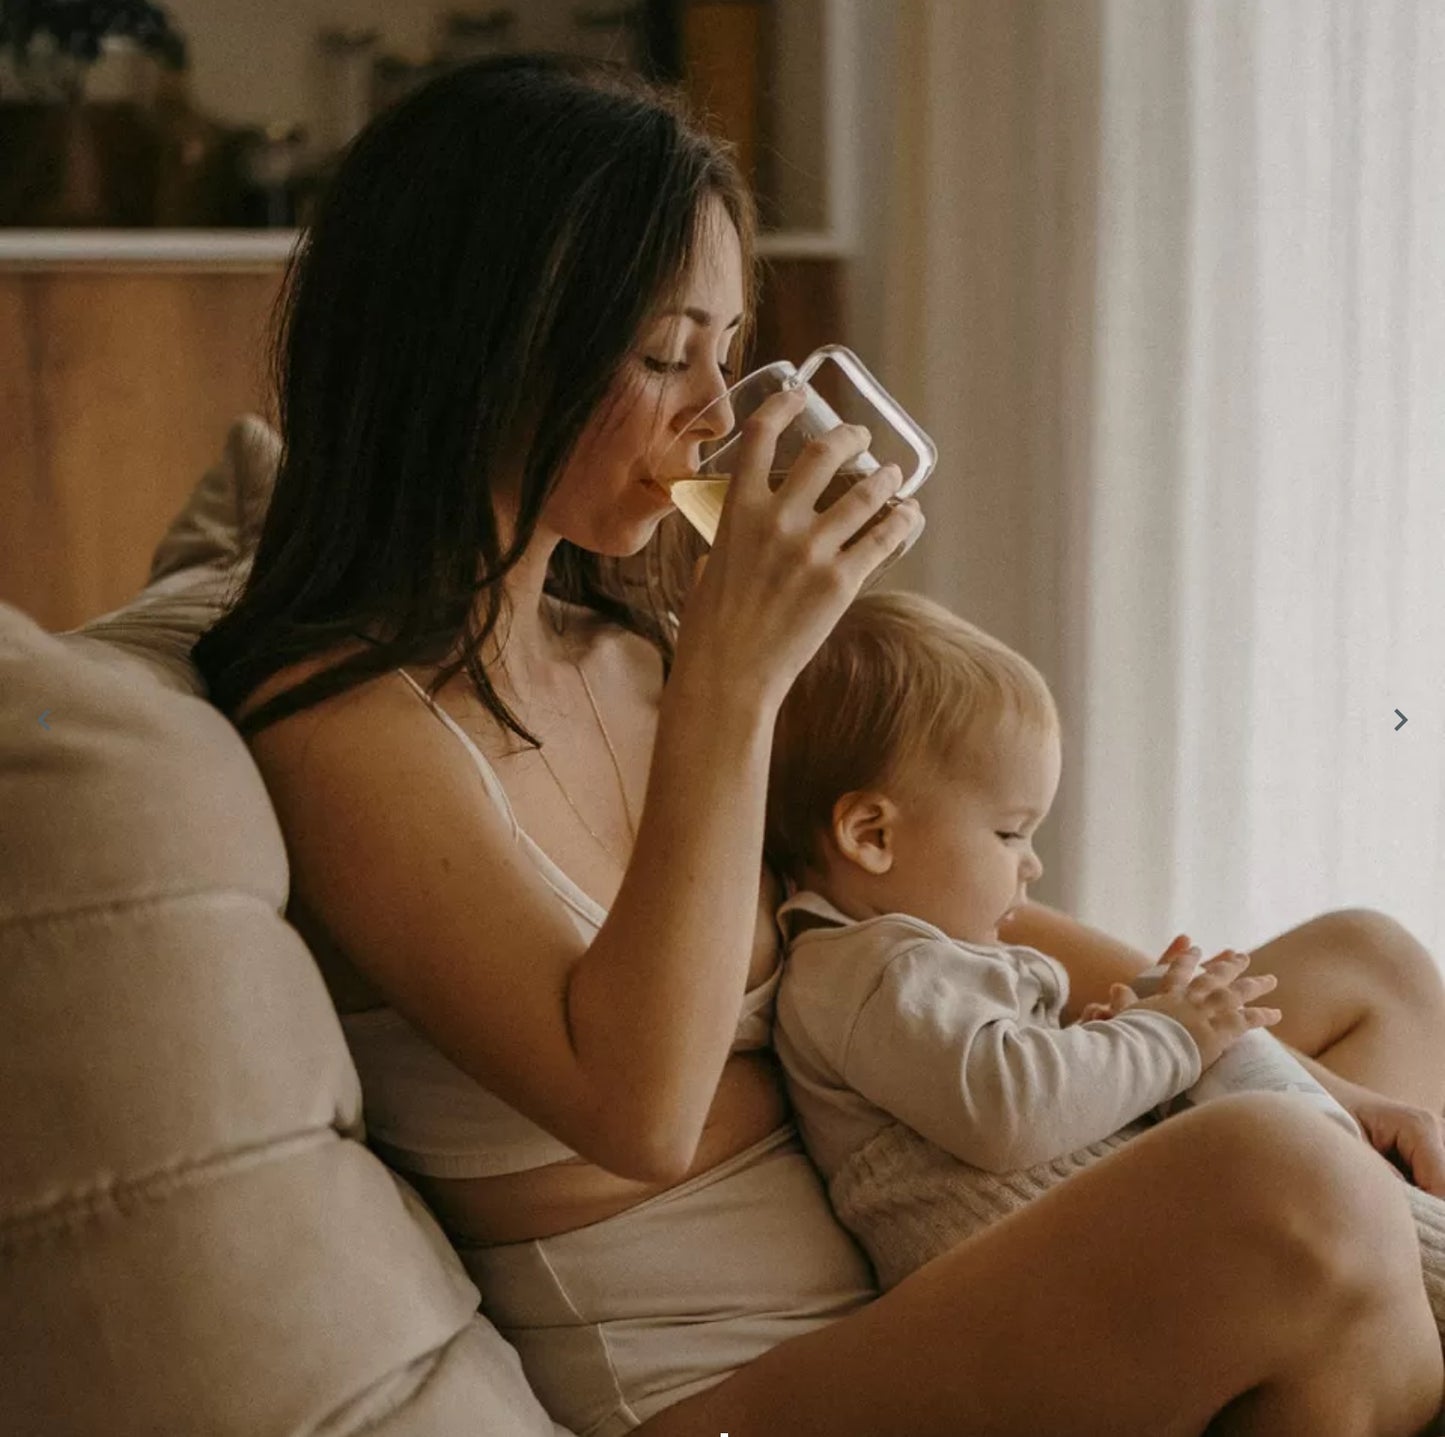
(1122, 996)
(1214, 1001)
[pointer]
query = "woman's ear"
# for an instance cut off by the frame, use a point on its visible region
(863, 830)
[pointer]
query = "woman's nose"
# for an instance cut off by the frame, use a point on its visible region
(713, 416)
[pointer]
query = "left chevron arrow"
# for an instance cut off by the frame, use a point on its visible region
(41, 720)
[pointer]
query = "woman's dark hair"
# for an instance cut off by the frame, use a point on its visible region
(476, 275)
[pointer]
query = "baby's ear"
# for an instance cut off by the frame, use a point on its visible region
(863, 829)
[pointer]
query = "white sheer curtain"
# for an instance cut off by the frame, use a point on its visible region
(1171, 296)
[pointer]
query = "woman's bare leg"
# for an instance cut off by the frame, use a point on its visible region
(1362, 996)
(1244, 1264)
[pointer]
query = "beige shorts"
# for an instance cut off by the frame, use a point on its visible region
(619, 1319)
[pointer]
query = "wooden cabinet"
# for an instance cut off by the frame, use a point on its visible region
(118, 380)
(116, 388)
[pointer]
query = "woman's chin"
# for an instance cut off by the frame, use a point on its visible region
(621, 541)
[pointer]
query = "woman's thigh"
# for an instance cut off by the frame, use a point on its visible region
(1146, 1294)
(1361, 995)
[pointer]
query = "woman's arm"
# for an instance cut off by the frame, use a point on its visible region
(1092, 959)
(413, 872)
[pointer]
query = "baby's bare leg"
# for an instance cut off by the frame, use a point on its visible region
(1241, 1268)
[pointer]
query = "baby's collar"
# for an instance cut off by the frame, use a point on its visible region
(805, 901)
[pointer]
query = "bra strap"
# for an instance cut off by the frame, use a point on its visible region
(490, 781)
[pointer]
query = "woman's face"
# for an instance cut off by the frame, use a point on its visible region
(608, 499)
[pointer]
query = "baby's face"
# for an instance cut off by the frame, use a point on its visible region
(964, 847)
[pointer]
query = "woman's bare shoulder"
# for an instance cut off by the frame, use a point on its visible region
(377, 726)
(293, 674)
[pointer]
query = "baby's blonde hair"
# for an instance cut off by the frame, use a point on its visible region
(900, 686)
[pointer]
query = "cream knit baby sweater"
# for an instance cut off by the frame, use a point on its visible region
(937, 1092)
(933, 1084)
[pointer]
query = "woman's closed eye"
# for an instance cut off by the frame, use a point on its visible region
(681, 366)
(1008, 836)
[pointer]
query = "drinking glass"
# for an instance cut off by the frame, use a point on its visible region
(697, 476)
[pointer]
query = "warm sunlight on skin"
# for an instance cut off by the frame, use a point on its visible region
(957, 850)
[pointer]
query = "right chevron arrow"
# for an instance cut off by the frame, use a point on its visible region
(1402, 723)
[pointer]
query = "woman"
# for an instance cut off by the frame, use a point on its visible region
(533, 881)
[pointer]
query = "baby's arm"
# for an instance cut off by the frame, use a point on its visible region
(942, 1045)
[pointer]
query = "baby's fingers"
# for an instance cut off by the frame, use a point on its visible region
(1260, 1017)
(1179, 970)
(1230, 959)
(1222, 971)
(1254, 985)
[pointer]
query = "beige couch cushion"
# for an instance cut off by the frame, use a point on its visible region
(192, 1236)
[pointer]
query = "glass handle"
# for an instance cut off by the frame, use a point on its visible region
(924, 450)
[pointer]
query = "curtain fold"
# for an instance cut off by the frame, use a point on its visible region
(1171, 299)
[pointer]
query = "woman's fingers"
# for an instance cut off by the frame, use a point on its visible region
(861, 512)
(1422, 1145)
(759, 441)
(818, 464)
(871, 548)
(844, 519)
(915, 533)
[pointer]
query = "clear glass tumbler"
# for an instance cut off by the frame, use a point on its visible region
(697, 475)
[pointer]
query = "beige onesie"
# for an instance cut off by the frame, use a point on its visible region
(933, 1084)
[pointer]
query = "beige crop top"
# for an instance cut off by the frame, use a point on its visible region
(423, 1113)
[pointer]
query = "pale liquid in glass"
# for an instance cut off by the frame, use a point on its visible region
(701, 499)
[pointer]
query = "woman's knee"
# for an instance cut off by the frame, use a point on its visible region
(1323, 1212)
(1398, 964)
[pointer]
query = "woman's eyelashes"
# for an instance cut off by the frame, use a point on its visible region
(681, 366)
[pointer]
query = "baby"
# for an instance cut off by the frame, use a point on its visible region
(936, 1080)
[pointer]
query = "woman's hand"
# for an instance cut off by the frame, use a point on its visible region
(1412, 1138)
(781, 573)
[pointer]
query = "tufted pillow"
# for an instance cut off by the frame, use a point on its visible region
(193, 1237)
